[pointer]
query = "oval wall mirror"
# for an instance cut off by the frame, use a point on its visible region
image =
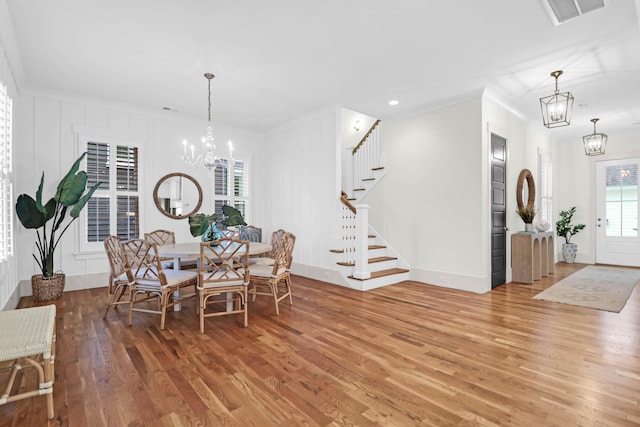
(526, 193)
(177, 195)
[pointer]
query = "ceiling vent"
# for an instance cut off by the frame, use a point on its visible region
(562, 10)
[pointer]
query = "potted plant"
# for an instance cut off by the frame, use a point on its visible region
(70, 197)
(565, 229)
(207, 225)
(527, 213)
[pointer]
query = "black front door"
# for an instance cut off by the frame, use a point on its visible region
(498, 216)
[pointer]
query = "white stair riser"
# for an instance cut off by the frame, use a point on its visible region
(383, 265)
(374, 253)
(365, 285)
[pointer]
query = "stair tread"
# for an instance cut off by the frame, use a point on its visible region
(383, 273)
(376, 247)
(371, 261)
(359, 189)
(368, 179)
(337, 251)
(378, 168)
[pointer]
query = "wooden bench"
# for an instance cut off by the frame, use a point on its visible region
(27, 338)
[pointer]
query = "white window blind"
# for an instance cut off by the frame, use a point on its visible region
(545, 190)
(232, 188)
(6, 175)
(114, 207)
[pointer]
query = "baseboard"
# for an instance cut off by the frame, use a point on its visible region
(318, 273)
(14, 300)
(72, 283)
(479, 285)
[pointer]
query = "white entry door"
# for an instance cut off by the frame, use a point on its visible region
(617, 238)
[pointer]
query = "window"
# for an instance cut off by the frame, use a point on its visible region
(232, 188)
(622, 200)
(545, 210)
(6, 175)
(114, 207)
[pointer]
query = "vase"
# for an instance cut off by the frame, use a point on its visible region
(47, 288)
(212, 234)
(569, 251)
(528, 227)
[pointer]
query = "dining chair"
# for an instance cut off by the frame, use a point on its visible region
(251, 233)
(270, 258)
(223, 272)
(150, 281)
(166, 237)
(119, 284)
(275, 280)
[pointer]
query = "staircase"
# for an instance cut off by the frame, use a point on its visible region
(364, 259)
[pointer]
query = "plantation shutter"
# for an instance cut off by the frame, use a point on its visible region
(6, 176)
(98, 215)
(114, 207)
(231, 187)
(546, 191)
(127, 182)
(240, 187)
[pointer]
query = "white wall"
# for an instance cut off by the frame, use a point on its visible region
(524, 142)
(299, 178)
(429, 206)
(433, 205)
(574, 185)
(47, 141)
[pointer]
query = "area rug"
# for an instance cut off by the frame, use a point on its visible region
(602, 288)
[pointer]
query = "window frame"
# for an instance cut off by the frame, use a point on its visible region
(230, 199)
(84, 138)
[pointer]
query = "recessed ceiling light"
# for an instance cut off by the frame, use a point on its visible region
(393, 102)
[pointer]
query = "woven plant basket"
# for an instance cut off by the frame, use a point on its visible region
(47, 288)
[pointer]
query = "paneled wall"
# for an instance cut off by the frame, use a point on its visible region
(47, 138)
(300, 189)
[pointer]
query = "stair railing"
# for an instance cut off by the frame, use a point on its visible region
(366, 156)
(355, 237)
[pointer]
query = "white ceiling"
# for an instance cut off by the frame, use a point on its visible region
(278, 60)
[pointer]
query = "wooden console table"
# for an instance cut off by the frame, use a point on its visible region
(531, 256)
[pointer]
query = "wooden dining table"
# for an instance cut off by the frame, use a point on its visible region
(191, 250)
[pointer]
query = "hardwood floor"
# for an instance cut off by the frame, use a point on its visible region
(401, 355)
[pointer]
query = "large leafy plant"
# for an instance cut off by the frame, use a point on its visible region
(564, 228)
(199, 223)
(70, 198)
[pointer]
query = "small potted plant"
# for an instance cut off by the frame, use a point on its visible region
(565, 229)
(527, 213)
(70, 198)
(207, 225)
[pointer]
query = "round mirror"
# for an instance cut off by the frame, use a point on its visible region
(527, 193)
(178, 195)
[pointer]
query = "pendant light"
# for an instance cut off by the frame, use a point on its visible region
(556, 108)
(594, 143)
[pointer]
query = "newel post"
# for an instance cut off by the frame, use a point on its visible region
(361, 270)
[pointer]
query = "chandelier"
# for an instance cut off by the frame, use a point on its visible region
(207, 156)
(594, 143)
(556, 108)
